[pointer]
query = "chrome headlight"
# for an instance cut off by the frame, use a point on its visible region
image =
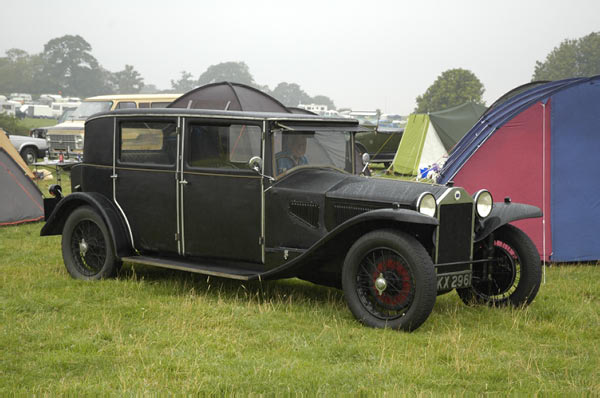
(483, 203)
(426, 204)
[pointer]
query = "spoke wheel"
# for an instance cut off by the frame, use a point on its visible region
(513, 275)
(389, 280)
(87, 246)
(385, 284)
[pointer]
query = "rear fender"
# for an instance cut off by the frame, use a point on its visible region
(504, 213)
(107, 210)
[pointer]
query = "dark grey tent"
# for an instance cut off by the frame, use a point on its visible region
(20, 198)
(229, 96)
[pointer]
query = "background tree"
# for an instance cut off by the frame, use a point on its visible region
(290, 94)
(453, 87)
(572, 58)
(323, 100)
(184, 84)
(127, 81)
(237, 72)
(71, 68)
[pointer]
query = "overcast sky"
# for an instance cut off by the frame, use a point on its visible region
(362, 54)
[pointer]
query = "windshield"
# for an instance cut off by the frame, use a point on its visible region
(312, 149)
(87, 109)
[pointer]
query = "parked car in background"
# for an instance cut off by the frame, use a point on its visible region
(59, 108)
(383, 139)
(29, 148)
(36, 111)
(256, 196)
(10, 108)
(67, 137)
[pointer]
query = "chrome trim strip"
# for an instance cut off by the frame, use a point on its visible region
(262, 240)
(182, 179)
(114, 177)
(177, 189)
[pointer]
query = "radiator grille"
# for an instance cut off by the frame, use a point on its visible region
(455, 233)
(61, 142)
(305, 211)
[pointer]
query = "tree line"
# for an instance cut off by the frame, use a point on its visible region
(67, 66)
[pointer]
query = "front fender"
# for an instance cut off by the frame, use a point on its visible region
(349, 231)
(107, 210)
(504, 213)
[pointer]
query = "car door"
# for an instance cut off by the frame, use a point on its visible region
(145, 182)
(222, 198)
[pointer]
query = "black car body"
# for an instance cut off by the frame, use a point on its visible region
(222, 193)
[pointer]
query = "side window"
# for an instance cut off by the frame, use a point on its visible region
(144, 105)
(223, 147)
(125, 105)
(159, 104)
(148, 142)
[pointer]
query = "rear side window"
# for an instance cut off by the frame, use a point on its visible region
(159, 104)
(223, 147)
(148, 143)
(126, 105)
(144, 105)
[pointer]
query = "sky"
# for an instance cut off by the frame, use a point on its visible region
(364, 55)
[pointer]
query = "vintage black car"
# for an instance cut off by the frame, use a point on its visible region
(251, 196)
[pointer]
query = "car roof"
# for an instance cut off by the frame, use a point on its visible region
(221, 114)
(132, 97)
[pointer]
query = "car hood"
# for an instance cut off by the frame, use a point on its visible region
(68, 125)
(338, 186)
(382, 190)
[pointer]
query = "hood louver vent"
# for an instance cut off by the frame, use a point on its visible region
(346, 212)
(305, 211)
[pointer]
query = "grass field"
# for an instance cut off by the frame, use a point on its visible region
(155, 331)
(22, 126)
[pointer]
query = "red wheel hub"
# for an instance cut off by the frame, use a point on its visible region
(398, 287)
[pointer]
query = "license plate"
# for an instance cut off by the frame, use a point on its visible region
(454, 281)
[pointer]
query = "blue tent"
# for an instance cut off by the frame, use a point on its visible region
(540, 146)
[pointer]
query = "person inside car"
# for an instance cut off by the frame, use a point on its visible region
(294, 154)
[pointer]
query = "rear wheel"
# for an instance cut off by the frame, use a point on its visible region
(514, 275)
(389, 281)
(87, 247)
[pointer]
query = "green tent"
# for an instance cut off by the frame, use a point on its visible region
(428, 138)
(453, 123)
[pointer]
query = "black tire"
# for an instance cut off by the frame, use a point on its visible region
(396, 257)
(29, 155)
(87, 246)
(515, 279)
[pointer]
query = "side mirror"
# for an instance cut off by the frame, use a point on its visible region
(255, 163)
(366, 158)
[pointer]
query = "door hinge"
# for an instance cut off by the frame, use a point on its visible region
(261, 240)
(176, 235)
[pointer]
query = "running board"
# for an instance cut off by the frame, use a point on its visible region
(206, 269)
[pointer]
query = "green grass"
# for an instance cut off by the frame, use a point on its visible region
(22, 126)
(155, 331)
(162, 331)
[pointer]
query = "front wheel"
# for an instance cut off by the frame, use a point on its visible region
(29, 154)
(389, 280)
(87, 247)
(513, 276)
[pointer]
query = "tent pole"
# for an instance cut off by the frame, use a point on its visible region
(544, 190)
